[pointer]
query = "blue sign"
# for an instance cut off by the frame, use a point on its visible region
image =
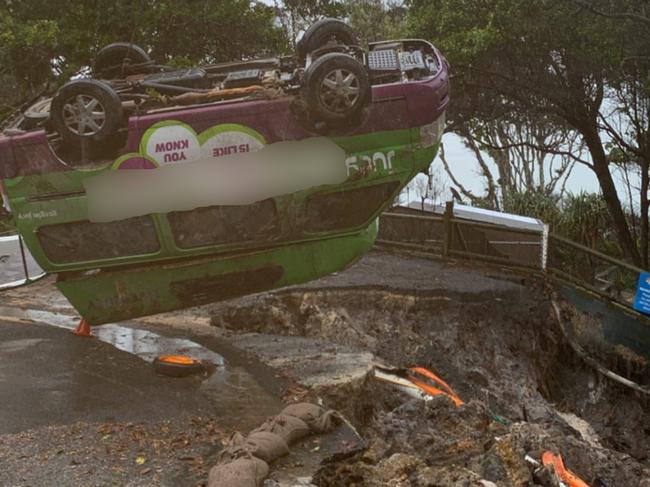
(642, 299)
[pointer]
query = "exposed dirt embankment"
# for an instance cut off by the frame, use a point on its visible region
(501, 349)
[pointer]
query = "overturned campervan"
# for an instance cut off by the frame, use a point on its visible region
(147, 189)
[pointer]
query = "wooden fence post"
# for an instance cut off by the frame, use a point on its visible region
(449, 228)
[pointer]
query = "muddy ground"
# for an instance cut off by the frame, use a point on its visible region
(496, 340)
(493, 336)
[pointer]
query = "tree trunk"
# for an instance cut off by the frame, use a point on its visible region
(601, 168)
(645, 182)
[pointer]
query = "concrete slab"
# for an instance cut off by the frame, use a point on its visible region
(313, 362)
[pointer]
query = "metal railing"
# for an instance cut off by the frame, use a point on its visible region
(555, 256)
(17, 267)
(448, 236)
(602, 274)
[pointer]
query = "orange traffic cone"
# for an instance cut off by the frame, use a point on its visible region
(83, 329)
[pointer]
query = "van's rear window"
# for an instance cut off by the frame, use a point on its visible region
(218, 225)
(84, 241)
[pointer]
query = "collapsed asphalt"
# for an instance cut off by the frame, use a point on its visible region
(489, 335)
(498, 343)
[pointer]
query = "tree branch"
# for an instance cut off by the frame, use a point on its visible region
(547, 150)
(621, 16)
(463, 190)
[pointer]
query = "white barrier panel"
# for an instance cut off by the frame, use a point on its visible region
(17, 266)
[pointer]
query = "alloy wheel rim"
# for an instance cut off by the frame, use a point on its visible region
(340, 90)
(84, 115)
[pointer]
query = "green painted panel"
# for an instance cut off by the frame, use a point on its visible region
(56, 198)
(119, 294)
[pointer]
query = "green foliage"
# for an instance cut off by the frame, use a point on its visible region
(483, 202)
(535, 204)
(581, 217)
(585, 218)
(532, 54)
(375, 20)
(7, 224)
(308, 10)
(48, 40)
(571, 61)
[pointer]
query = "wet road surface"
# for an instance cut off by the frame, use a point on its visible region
(50, 376)
(83, 412)
(382, 269)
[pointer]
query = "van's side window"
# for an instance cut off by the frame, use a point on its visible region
(219, 225)
(85, 241)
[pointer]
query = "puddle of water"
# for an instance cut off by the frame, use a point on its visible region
(55, 319)
(149, 345)
(240, 399)
(143, 343)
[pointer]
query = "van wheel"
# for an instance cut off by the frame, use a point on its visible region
(37, 114)
(114, 60)
(86, 111)
(336, 88)
(325, 31)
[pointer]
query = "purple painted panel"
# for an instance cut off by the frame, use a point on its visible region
(394, 107)
(33, 154)
(271, 118)
(137, 162)
(275, 120)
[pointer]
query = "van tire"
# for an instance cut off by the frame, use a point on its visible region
(336, 88)
(86, 111)
(111, 60)
(320, 33)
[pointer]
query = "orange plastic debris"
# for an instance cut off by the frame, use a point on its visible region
(177, 359)
(445, 390)
(563, 474)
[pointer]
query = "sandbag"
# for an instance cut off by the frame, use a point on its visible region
(306, 411)
(267, 446)
(262, 444)
(289, 428)
(243, 472)
(234, 447)
(318, 420)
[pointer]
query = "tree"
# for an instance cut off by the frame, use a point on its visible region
(432, 188)
(512, 157)
(584, 218)
(48, 40)
(535, 204)
(297, 15)
(547, 58)
(375, 20)
(421, 190)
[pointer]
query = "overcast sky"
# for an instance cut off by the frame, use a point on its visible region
(463, 164)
